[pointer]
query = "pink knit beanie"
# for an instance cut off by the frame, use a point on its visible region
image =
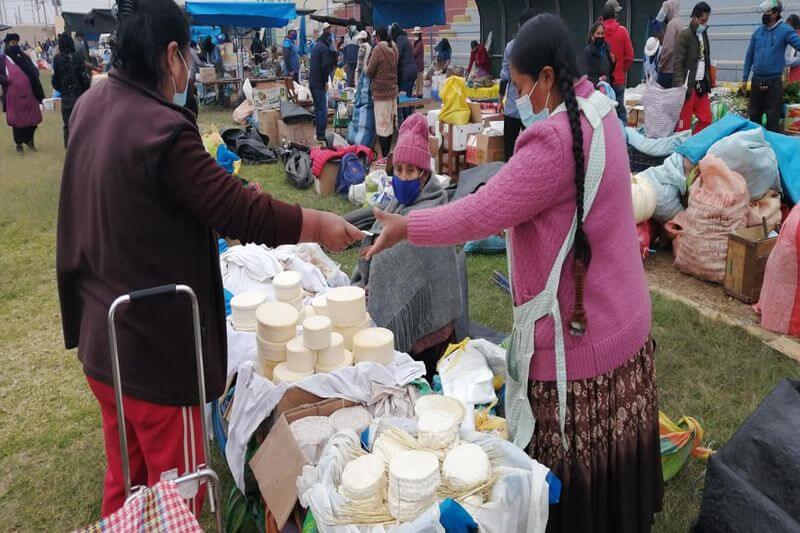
(412, 143)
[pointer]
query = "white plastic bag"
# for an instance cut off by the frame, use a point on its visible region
(466, 374)
(748, 153)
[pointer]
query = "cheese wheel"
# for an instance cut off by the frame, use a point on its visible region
(297, 303)
(243, 310)
(298, 357)
(466, 467)
(287, 286)
(266, 368)
(320, 305)
(436, 430)
(282, 374)
(333, 355)
(270, 351)
(404, 510)
(347, 306)
(437, 402)
(363, 478)
(387, 448)
(351, 418)
(317, 332)
(350, 332)
(311, 434)
(413, 475)
(374, 344)
(347, 360)
(277, 321)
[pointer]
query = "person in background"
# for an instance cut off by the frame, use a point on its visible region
(122, 184)
(320, 68)
(291, 54)
(512, 125)
(693, 62)
(82, 49)
(792, 55)
(384, 88)
(406, 67)
(581, 393)
(70, 78)
(671, 13)
(211, 52)
(419, 59)
(364, 50)
(766, 59)
(444, 53)
(621, 46)
(257, 48)
(596, 60)
(422, 315)
(350, 55)
(22, 93)
(479, 57)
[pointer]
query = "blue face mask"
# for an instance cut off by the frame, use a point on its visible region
(525, 108)
(178, 98)
(701, 28)
(406, 191)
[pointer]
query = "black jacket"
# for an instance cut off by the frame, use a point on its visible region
(406, 66)
(597, 62)
(687, 57)
(70, 76)
(321, 64)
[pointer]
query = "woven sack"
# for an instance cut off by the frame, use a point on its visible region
(779, 303)
(718, 205)
(662, 109)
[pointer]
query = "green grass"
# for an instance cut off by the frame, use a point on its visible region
(51, 451)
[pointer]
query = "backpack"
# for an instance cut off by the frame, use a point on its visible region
(351, 172)
(298, 170)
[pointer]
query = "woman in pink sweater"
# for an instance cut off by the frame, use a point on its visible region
(592, 390)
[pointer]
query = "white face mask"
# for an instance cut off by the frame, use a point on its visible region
(179, 98)
(525, 108)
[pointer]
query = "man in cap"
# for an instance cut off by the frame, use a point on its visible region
(652, 53)
(765, 59)
(621, 46)
(693, 63)
(291, 54)
(350, 55)
(512, 125)
(419, 59)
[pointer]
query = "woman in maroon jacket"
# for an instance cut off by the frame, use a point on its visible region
(141, 204)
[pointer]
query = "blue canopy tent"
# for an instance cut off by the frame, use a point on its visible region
(407, 13)
(242, 14)
(201, 32)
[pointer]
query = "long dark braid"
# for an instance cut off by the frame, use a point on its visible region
(545, 41)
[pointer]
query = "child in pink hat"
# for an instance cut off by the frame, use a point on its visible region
(411, 160)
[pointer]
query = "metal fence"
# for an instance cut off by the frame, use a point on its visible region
(732, 23)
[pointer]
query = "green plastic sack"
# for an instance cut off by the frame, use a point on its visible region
(454, 102)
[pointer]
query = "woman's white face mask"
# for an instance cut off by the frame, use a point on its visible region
(179, 98)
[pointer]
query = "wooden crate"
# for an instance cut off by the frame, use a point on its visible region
(748, 251)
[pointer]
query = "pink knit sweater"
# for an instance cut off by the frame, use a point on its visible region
(534, 196)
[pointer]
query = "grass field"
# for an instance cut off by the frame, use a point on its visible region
(51, 452)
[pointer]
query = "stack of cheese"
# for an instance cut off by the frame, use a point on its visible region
(319, 349)
(374, 344)
(437, 430)
(243, 310)
(288, 289)
(413, 480)
(465, 469)
(277, 325)
(364, 483)
(347, 309)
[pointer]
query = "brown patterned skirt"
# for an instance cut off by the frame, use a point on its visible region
(611, 474)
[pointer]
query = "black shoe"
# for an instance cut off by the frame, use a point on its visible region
(20, 150)
(32, 146)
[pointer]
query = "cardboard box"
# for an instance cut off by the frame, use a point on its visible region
(791, 123)
(476, 116)
(268, 125)
(485, 149)
(279, 460)
(300, 132)
(748, 251)
(325, 184)
(268, 98)
(460, 135)
(207, 74)
(636, 117)
(434, 143)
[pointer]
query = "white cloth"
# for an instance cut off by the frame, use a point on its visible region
(467, 375)
(256, 397)
(249, 268)
(241, 348)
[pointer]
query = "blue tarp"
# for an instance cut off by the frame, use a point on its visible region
(242, 14)
(408, 13)
(201, 32)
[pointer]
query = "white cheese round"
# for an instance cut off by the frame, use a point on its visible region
(387, 448)
(465, 467)
(346, 361)
(374, 344)
(277, 321)
(320, 305)
(298, 357)
(287, 286)
(404, 510)
(347, 306)
(311, 434)
(243, 310)
(351, 418)
(333, 355)
(436, 430)
(363, 478)
(282, 374)
(266, 368)
(317, 332)
(437, 402)
(271, 351)
(297, 303)
(413, 475)
(349, 332)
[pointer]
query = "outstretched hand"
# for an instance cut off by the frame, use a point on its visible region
(395, 230)
(329, 230)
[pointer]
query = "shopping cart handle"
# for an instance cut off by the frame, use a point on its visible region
(143, 294)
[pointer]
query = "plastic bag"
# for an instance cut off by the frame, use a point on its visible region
(768, 207)
(669, 182)
(748, 154)
(466, 375)
(243, 112)
(228, 160)
(454, 101)
(212, 140)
